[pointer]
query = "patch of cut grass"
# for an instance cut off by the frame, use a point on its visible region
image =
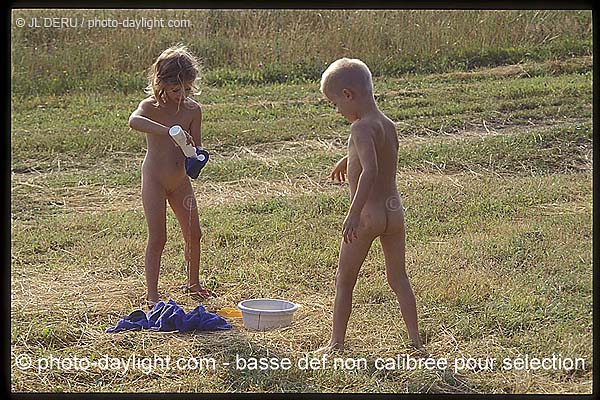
(498, 217)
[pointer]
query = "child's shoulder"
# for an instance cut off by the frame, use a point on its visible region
(364, 127)
(192, 104)
(374, 129)
(148, 103)
(147, 106)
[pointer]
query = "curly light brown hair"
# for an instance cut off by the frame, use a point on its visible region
(175, 65)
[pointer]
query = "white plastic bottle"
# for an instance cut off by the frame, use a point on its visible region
(180, 138)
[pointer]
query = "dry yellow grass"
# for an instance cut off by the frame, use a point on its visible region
(498, 246)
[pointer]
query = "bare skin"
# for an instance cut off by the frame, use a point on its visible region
(375, 210)
(164, 179)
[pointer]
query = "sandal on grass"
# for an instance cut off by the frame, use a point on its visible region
(197, 290)
(150, 303)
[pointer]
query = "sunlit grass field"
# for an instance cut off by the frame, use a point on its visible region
(282, 46)
(495, 172)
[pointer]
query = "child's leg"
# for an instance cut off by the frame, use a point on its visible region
(394, 251)
(154, 201)
(351, 258)
(183, 203)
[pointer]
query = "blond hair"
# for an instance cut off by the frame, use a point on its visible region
(175, 65)
(347, 73)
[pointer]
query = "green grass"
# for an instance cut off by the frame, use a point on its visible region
(495, 174)
(233, 43)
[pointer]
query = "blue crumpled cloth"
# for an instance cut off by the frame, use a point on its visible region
(168, 317)
(193, 166)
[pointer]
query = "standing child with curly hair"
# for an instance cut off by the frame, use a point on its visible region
(172, 78)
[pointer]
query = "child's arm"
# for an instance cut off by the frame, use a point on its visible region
(365, 147)
(139, 122)
(339, 171)
(196, 126)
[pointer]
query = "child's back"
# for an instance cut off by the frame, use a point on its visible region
(381, 213)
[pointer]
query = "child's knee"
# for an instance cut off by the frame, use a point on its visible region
(399, 283)
(157, 242)
(194, 236)
(344, 280)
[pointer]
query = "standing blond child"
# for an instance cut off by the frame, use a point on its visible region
(172, 78)
(376, 209)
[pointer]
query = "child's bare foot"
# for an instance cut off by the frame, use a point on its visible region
(151, 301)
(197, 290)
(419, 347)
(330, 348)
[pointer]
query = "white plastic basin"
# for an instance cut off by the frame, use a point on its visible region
(264, 314)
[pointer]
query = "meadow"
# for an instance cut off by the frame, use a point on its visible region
(495, 173)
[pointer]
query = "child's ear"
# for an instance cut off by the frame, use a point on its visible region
(347, 94)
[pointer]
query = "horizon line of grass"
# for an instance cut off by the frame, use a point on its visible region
(460, 60)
